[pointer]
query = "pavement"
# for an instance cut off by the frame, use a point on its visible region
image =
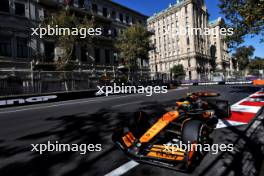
(92, 121)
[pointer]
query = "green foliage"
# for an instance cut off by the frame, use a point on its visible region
(134, 43)
(245, 16)
(66, 19)
(177, 71)
(243, 55)
(257, 64)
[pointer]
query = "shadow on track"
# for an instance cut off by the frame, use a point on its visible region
(74, 129)
(80, 128)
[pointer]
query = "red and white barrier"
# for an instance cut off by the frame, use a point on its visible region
(244, 111)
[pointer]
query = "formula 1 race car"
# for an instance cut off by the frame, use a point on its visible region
(156, 141)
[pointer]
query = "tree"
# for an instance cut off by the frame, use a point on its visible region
(132, 44)
(243, 55)
(66, 43)
(66, 19)
(245, 16)
(257, 64)
(177, 71)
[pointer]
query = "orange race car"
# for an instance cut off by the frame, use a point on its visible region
(158, 141)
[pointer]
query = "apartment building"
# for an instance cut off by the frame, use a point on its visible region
(218, 47)
(190, 50)
(18, 48)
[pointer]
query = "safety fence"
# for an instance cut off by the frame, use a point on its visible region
(39, 82)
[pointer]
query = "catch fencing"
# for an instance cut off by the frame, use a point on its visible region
(39, 82)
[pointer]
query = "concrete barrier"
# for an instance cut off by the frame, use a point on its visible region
(44, 98)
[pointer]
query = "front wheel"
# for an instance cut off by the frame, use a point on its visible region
(195, 132)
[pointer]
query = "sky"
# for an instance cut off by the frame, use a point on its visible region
(149, 7)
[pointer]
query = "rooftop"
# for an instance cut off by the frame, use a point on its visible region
(177, 4)
(216, 21)
(127, 8)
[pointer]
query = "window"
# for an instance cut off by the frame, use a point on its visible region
(22, 47)
(45, 13)
(114, 32)
(81, 3)
(115, 58)
(4, 7)
(94, 8)
(97, 55)
(121, 18)
(188, 41)
(186, 9)
(113, 15)
(133, 20)
(84, 54)
(105, 12)
(73, 54)
(127, 19)
(5, 46)
(19, 9)
(49, 51)
(107, 56)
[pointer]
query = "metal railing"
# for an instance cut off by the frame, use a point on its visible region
(39, 82)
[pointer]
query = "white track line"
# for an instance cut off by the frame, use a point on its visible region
(125, 104)
(222, 124)
(123, 169)
(41, 106)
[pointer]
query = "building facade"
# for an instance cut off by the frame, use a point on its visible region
(21, 51)
(218, 47)
(16, 45)
(185, 48)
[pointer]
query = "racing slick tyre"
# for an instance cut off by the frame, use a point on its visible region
(194, 132)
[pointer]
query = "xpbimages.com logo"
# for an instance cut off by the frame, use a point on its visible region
(116, 89)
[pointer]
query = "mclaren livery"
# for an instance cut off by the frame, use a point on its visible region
(151, 140)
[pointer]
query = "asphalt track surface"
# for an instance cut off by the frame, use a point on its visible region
(92, 121)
